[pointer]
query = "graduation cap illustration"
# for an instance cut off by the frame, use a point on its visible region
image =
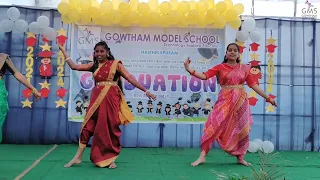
(160, 104)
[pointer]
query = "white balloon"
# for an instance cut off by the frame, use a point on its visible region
(254, 36)
(259, 142)
(253, 147)
(242, 36)
(267, 147)
(34, 28)
(43, 21)
(20, 26)
(49, 33)
(6, 25)
(248, 24)
(13, 13)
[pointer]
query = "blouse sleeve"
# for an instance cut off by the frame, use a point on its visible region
(250, 80)
(212, 72)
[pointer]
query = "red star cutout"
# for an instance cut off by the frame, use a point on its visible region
(61, 39)
(44, 39)
(271, 48)
(254, 46)
(31, 41)
(254, 63)
(241, 49)
(45, 92)
(252, 101)
(272, 96)
(45, 54)
(61, 92)
(27, 93)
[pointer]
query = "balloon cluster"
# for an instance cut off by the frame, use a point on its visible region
(204, 13)
(13, 23)
(248, 31)
(259, 145)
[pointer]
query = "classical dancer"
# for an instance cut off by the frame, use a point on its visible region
(108, 108)
(230, 121)
(6, 64)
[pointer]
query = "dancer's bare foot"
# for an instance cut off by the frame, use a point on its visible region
(73, 161)
(112, 165)
(200, 160)
(243, 162)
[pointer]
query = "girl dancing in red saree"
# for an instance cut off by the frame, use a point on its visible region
(230, 120)
(107, 110)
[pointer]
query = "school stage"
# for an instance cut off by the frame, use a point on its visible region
(46, 162)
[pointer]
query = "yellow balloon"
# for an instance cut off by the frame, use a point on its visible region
(193, 5)
(73, 15)
(154, 5)
(229, 3)
(154, 18)
(210, 4)
(134, 4)
(95, 4)
(65, 19)
(63, 8)
(239, 8)
(202, 21)
(165, 7)
(174, 17)
(93, 12)
(202, 6)
(124, 8)
(220, 21)
(74, 4)
(193, 16)
(183, 22)
(143, 8)
(211, 13)
(115, 4)
(183, 7)
(85, 4)
(235, 24)
(174, 4)
(221, 7)
(106, 6)
(84, 19)
(231, 15)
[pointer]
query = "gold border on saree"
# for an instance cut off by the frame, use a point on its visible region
(239, 86)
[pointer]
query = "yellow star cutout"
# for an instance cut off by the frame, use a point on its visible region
(252, 94)
(46, 47)
(271, 40)
(30, 34)
(45, 84)
(26, 103)
(270, 108)
(254, 56)
(240, 43)
(61, 103)
(62, 32)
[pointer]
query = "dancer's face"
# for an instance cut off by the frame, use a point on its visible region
(100, 53)
(232, 53)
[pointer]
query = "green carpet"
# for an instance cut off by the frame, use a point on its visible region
(144, 164)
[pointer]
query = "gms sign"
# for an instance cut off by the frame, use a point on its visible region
(310, 11)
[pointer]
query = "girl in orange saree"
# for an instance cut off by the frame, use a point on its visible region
(107, 109)
(230, 120)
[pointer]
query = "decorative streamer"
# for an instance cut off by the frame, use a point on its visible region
(27, 93)
(61, 92)
(270, 70)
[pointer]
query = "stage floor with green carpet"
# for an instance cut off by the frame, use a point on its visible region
(33, 162)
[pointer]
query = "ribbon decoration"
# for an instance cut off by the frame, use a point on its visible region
(61, 92)
(255, 72)
(27, 93)
(270, 70)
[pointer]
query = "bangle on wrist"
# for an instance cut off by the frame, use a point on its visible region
(34, 90)
(268, 99)
(192, 72)
(68, 59)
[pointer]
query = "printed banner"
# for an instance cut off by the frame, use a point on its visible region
(154, 57)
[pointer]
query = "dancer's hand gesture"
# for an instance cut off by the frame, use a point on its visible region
(187, 64)
(151, 96)
(61, 48)
(37, 95)
(273, 102)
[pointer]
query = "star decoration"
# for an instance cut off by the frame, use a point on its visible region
(27, 93)
(254, 56)
(271, 48)
(44, 92)
(240, 43)
(26, 103)
(45, 47)
(30, 34)
(252, 101)
(45, 84)
(61, 103)
(269, 108)
(61, 92)
(271, 40)
(254, 46)
(252, 94)
(62, 32)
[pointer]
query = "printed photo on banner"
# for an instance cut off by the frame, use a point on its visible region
(155, 57)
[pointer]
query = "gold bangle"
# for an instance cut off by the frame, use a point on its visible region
(34, 90)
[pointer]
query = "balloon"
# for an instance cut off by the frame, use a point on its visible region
(63, 8)
(34, 28)
(106, 6)
(221, 7)
(174, 4)
(64, 18)
(193, 16)
(143, 8)
(174, 17)
(202, 6)
(229, 3)
(253, 147)
(43, 21)
(74, 4)
(259, 142)
(74, 15)
(231, 15)
(242, 36)
(115, 4)
(193, 5)
(183, 7)
(267, 147)
(84, 19)
(254, 36)
(21, 26)
(6, 25)
(13, 13)
(153, 4)
(248, 24)
(165, 7)
(134, 4)
(95, 12)
(49, 33)
(235, 24)
(85, 4)
(124, 8)
(219, 22)
(239, 8)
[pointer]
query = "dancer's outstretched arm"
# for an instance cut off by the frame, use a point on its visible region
(73, 66)
(259, 91)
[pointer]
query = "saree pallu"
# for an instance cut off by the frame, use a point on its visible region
(105, 113)
(230, 121)
(3, 105)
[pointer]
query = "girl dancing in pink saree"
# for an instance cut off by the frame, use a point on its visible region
(230, 121)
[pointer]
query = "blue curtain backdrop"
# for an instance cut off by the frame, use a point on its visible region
(295, 125)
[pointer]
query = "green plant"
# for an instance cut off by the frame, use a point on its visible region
(267, 170)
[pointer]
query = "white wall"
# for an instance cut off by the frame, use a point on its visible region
(18, 2)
